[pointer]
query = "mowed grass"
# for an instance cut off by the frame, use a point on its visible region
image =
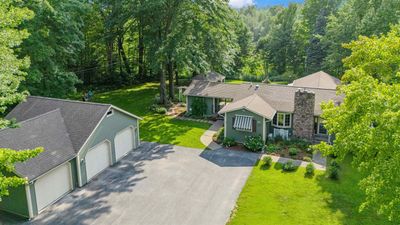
(273, 197)
(154, 127)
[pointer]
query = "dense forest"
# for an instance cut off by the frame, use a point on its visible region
(79, 43)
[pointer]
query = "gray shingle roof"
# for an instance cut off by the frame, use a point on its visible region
(317, 80)
(80, 118)
(280, 97)
(47, 130)
(211, 77)
(253, 103)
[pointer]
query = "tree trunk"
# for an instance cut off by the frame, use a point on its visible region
(163, 89)
(176, 75)
(123, 55)
(141, 50)
(110, 60)
(171, 87)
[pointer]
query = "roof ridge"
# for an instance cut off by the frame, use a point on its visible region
(282, 85)
(34, 118)
(69, 100)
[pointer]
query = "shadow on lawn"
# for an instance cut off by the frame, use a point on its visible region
(85, 205)
(346, 197)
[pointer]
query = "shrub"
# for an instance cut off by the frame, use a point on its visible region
(293, 151)
(158, 109)
(289, 166)
(334, 163)
(272, 148)
(307, 159)
(229, 142)
(199, 107)
(333, 170)
(254, 143)
(267, 161)
(219, 136)
(310, 169)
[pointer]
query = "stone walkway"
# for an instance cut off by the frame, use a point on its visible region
(300, 163)
(207, 137)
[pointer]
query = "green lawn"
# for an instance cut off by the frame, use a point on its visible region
(271, 196)
(154, 127)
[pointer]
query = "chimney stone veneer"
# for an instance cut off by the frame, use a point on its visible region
(303, 115)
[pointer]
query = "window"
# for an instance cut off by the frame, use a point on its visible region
(282, 120)
(319, 126)
(243, 123)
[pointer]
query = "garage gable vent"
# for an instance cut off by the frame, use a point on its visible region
(243, 123)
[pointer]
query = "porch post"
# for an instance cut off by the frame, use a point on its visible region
(213, 106)
(225, 126)
(264, 133)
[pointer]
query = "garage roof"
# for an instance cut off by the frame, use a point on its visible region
(60, 126)
(80, 118)
(47, 130)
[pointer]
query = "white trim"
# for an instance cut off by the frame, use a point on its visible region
(225, 128)
(213, 106)
(244, 107)
(264, 137)
(54, 168)
(187, 104)
(79, 171)
(138, 134)
(29, 200)
(284, 120)
(126, 112)
(95, 128)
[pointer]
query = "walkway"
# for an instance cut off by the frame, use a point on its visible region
(207, 137)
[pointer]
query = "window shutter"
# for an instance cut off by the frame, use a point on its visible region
(254, 125)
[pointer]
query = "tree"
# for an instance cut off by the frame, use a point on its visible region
(53, 46)
(11, 74)
(367, 124)
(354, 18)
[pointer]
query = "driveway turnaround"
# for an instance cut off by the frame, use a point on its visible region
(157, 184)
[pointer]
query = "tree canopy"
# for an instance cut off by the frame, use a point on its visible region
(11, 75)
(367, 124)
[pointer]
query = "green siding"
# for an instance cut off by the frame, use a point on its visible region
(107, 129)
(16, 202)
(239, 136)
(208, 101)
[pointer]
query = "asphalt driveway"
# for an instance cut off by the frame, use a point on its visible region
(158, 184)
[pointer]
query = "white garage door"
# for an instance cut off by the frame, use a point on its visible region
(97, 159)
(124, 142)
(53, 186)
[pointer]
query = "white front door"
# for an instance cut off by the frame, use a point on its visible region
(53, 186)
(124, 142)
(97, 159)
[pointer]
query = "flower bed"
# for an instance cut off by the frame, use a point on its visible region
(294, 149)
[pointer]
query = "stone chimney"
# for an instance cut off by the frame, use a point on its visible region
(303, 115)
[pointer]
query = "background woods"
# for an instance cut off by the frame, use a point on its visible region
(78, 43)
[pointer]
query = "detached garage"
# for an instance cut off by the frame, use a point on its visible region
(80, 141)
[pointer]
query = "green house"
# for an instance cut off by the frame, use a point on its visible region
(80, 140)
(268, 110)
